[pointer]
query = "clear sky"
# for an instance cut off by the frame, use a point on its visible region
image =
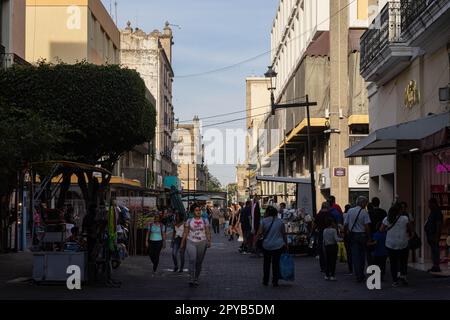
(212, 34)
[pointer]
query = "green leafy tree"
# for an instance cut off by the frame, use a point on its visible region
(231, 191)
(24, 137)
(103, 109)
(213, 184)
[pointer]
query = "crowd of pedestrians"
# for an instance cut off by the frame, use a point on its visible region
(372, 236)
(365, 232)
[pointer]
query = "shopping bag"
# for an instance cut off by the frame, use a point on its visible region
(287, 267)
(342, 253)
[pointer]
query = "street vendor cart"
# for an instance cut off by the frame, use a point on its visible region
(55, 245)
(298, 219)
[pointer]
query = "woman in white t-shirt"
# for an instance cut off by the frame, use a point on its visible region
(196, 239)
(398, 230)
(177, 237)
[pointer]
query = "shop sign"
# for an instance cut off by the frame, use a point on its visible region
(339, 172)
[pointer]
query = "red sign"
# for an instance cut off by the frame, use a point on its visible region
(339, 172)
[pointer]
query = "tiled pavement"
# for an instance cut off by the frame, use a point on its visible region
(227, 275)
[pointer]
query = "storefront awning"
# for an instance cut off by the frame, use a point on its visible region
(283, 179)
(399, 138)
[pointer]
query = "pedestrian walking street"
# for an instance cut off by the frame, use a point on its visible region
(226, 274)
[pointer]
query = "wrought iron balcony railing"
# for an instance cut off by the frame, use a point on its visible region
(385, 29)
(418, 11)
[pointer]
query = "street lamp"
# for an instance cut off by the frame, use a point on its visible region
(271, 74)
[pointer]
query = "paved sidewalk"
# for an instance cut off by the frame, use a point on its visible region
(227, 275)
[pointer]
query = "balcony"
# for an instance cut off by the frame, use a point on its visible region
(425, 22)
(383, 50)
(402, 30)
(7, 60)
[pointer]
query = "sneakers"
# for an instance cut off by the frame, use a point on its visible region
(196, 284)
(395, 284)
(327, 278)
(332, 278)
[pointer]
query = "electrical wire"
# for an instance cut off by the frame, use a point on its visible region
(261, 54)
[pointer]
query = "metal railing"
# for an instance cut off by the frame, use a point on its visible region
(7, 60)
(416, 14)
(385, 29)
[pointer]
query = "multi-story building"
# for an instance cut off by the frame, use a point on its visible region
(12, 32)
(257, 96)
(316, 53)
(151, 55)
(190, 154)
(71, 31)
(405, 58)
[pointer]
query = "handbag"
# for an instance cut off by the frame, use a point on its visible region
(415, 242)
(287, 267)
(259, 242)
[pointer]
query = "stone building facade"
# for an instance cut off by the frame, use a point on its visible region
(151, 55)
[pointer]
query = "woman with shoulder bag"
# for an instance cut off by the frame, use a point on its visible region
(398, 230)
(273, 235)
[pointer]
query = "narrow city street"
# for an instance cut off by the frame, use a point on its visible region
(227, 275)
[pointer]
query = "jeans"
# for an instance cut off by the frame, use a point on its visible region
(348, 249)
(321, 249)
(175, 251)
(399, 262)
(196, 252)
(435, 251)
(154, 252)
(381, 262)
(272, 256)
(216, 225)
(359, 251)
(246, 244)
(331, 252)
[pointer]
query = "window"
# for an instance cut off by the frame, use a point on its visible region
(354, 139)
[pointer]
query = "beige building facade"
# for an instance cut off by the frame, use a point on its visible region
(151, 55)
(405, 58)
(317, 54)
(192, 170)
(257, 97)
(71, 31)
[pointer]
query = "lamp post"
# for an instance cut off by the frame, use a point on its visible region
(271, 74)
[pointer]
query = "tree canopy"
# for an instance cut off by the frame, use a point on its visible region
(213, 183)
(103, 109)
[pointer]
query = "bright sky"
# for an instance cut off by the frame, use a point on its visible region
(212, 34)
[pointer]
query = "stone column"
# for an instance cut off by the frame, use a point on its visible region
(339, 100)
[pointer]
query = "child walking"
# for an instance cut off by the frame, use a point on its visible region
(380, 253)
(330, 246)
